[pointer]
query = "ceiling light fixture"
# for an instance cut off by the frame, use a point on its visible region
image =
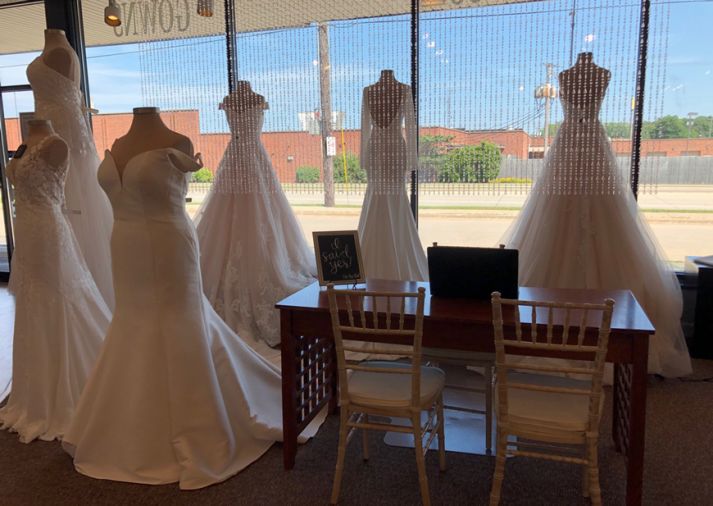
(112, 14)
(205, 8)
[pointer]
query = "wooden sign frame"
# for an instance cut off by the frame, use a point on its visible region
(353, 241)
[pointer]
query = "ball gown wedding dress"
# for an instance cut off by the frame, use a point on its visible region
(60, 316)
(391, 248)
(176, 395)
(581, 226)
(59, 99)
(253, 252)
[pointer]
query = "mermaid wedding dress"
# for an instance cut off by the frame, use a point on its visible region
(175, 395)
(59, 99)
(253, 252)
(391, 248)
(581, 226)
(60, 316)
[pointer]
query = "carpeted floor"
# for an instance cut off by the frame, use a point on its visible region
(679, 465)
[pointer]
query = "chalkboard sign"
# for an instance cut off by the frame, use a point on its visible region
(338, 257)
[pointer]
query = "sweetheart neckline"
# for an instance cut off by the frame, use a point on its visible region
(120, 175)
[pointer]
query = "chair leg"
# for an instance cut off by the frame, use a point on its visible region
(441, 434)
(488, 409)
(594, 491)
(585, 478)
(420, 459)
(341, 453)
(365, 439)
(499, 473)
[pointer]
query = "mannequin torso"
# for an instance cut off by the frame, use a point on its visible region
(147, 133)
(242, 98)
(56, 151)
(584, 84)
(383, 98)
(59, 55)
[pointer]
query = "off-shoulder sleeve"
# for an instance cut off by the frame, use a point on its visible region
(184, 162)
(365, 132)
(410, 130)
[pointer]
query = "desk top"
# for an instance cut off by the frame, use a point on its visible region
(628, 315)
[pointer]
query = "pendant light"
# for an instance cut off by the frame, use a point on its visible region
(112, 14)
(205, 8)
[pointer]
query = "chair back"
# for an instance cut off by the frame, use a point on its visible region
(553, 329)
(384, 317)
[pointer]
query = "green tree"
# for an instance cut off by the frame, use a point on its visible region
(471, 164)
(702, 127)
(433, 151)
(618, 130)
(203, 175)
(307, 174)
(666, 127)
(355, 174)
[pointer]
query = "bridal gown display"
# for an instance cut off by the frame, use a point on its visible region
(176, 396)
(253, 252)
(391, 248)
(60, 317)
(581, 226)
(59, 99)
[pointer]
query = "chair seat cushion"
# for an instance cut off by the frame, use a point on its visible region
(383, 389)
(558, 411)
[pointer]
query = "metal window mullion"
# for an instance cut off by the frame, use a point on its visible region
(231, 45)
(639, 96)
(415, 30)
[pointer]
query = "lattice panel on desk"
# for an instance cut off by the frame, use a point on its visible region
(622, 407)
(315, 369)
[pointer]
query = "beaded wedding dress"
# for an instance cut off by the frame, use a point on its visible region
(176, 395)
(253, 252)
(391, 248)
(60, 316)
(59, 99)
(581, 226)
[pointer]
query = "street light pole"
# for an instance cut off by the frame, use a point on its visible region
(689, 124)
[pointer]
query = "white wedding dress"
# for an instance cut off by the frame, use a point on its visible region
(176, 395)
(391, 248)
(59, 99)
(60, 317)
(581, 228)
(253, 252)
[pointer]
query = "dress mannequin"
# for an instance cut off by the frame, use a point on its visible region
(585, 83)
(387, 231)
(60, 56)
(242, 98)
(147, 132)
(56, 151)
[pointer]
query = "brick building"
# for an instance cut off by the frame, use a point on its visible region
(291, 150)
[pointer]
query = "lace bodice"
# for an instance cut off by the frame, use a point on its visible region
(59, 99)
(152, 185)
(582, 95)
(246, 125)
(36, 181)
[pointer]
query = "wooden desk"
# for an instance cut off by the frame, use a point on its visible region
(309, 363)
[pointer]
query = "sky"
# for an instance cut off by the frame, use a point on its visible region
(479, 67)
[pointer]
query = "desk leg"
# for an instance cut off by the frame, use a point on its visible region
(289, 390)
(637, 422)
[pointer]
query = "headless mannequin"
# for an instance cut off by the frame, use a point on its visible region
(59, 55)
(54, 152)
(585, 82)
(383, 98)
(242, 98)
(147, 133)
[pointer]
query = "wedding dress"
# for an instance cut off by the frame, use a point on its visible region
(253, 252)
(391, 248)
(581, 227)
(60, 316)
(175, 395)
(58, 99)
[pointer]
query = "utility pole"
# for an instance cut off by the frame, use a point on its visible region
(548, 92)
(325, 98)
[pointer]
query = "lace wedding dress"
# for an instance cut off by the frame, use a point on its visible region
(60, 317)
(58, 98)
(176, 395)
(391, 248)
(581, 226)
(253, 252)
